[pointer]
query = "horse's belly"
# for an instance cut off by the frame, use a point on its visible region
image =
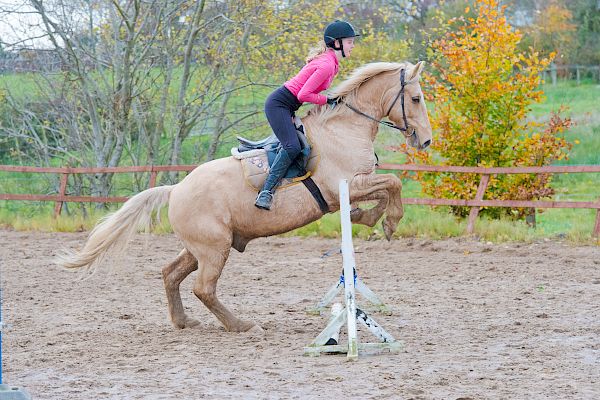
(214, 201)
(293, 207)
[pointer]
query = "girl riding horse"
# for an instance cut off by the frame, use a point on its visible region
(316, 76)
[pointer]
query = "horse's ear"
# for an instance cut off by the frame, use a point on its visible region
(417, 70)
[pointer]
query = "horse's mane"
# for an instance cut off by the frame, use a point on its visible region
(361, 75)
(347, 89)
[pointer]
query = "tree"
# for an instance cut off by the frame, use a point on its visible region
(137, 79)
(553, 30)
(586, 16)
(481, 95)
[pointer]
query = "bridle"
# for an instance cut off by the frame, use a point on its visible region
(400, 95)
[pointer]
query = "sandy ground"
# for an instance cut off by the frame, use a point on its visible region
(478, 321)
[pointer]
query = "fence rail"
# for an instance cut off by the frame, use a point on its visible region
(475, 203)
(571, 72)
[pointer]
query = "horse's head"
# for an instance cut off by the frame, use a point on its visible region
(404, 105)
(379, 90)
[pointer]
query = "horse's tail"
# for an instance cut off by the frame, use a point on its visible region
(115, 230)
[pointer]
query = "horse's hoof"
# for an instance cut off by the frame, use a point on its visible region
(242, 326)
(388, 230)
(255, 333)
(191, 323)
(186, 323)
(256, 329)
(355, 214)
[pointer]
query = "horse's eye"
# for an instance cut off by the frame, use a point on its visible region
(416, 99)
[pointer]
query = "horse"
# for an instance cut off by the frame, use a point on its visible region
(212, 209)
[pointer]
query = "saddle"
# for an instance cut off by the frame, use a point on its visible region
(257, 157)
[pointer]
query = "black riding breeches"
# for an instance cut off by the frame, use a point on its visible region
(280, 108)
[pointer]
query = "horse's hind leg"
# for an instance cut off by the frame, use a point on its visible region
(173, 274)
(211, 260)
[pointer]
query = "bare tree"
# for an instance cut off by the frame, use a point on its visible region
(133, 80)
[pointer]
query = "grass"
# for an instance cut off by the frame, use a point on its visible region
(43, 220)
(40, 217)
(19, 84)
(574, 225)
(581, 102)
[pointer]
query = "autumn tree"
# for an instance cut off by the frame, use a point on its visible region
(553, 30)
(482, 93)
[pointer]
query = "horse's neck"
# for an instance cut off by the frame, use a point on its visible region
(344, 141)
(344, 130)
(348, 129)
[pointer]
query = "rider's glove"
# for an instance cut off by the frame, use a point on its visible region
(332, 102)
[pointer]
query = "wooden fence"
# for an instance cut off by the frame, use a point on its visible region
(486, 173)
(475, 203)
(571, 72)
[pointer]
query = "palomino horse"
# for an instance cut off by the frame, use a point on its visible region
(212, 209)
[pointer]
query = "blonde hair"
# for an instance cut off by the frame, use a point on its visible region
(316, 51)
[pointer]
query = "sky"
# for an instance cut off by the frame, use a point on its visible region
(20, 26)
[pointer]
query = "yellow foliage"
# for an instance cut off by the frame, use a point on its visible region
(553, 30)
(482, 92)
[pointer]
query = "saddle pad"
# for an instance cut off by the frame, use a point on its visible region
(255, 165)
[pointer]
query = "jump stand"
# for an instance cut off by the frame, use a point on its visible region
(352, 313)
(376, 304)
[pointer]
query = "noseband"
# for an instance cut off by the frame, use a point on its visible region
(400, 95)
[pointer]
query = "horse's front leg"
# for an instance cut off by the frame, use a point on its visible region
(386, 189)
(369, 216)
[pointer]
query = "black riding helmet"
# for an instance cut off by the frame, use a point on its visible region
(338, 30)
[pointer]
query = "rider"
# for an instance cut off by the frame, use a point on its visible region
(316, 76)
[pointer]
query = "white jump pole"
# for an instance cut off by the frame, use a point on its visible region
(327, 340)
(336, 310)
(349, 266)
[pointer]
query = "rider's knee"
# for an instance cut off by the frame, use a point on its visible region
(293, 151)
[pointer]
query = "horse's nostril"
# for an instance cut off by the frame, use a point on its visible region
(426, 144)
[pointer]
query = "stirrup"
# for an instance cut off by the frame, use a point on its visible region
(264, 200)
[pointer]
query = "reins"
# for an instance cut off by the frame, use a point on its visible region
(400, 96)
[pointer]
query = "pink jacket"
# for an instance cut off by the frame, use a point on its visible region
(313, 78)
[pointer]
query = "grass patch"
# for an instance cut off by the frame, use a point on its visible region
(572, 225)
(76, 221)
(43, 220)
(579, 99)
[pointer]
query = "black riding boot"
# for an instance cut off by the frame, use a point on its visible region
(280, 165)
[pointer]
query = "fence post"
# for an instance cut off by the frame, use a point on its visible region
(596, 232)
(530, 217)
(62, 191)
(485, 178)
(153, 177)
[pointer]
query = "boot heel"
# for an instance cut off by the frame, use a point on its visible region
(264, 200)
(280, 165)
